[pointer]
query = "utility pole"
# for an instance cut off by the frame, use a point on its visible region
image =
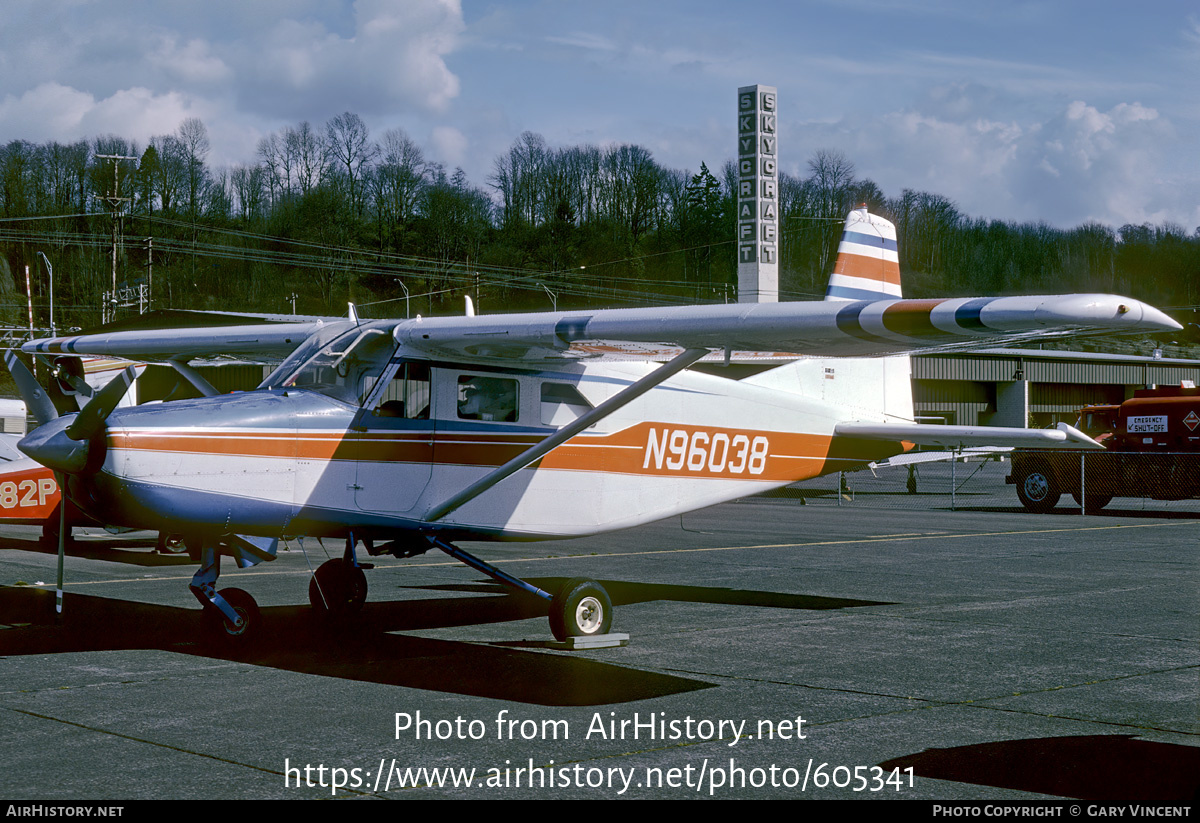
(50, 269)
(149, 272)
(29, 297)
(474, 275)
(117, 203)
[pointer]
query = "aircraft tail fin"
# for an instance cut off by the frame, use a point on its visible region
(867, 268)
(866, 387)
(868, 265)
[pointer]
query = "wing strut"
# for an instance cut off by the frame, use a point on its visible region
(190, 374)
(621, 398)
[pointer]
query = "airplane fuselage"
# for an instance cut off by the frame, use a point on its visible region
(293, 461)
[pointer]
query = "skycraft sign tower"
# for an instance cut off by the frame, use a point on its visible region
(758, 196)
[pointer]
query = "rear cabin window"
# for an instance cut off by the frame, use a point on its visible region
(487, 398)
(562, 403)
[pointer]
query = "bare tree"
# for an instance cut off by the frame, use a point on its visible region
(400, 177)
(249, 190)
(277, 162)
(308, 156)
(16, 162)
(349, 144)
(193, 137)
(58, 162)
(171, 171)
(831, 176)
(631, 181)
(518, 177)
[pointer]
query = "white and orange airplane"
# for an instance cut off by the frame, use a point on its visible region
(413, 434)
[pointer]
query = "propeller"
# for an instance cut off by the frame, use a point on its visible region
(91, 419)
(54, 444)
(63, 443)
(36, 399)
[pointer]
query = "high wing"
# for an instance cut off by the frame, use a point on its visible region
(270, 341)
(854, 329)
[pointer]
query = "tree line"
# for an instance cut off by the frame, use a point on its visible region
(322, 215)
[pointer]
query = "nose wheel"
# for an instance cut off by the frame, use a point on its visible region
(221, 628)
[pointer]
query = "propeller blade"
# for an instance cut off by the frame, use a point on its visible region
(36, 399)
(91, 419)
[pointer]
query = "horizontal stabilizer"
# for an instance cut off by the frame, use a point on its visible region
(1063, 437)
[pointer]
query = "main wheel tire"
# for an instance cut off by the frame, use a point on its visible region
(1036, 490)
(337, 589)
(170, 544)
(1095, 502)
(581, 608)
(218, 625)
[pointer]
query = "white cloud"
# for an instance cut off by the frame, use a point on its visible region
(394, 59)
(192, 63)
(449, 145)
(584, 40)
(242, 67)
(1081, 163)
(1107, 166)
(1192, 32)
(53, 111)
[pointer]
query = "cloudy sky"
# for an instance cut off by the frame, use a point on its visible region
(1055, 111)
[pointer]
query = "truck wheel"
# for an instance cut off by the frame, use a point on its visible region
(1095, 502)
(1037, 492)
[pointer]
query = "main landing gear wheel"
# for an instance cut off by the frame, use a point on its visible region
(170, 544)
(338, 588)
(218, 625)
(1037, 491)
(581, 608)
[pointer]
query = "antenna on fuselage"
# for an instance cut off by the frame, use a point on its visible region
(470, 305)
(353, 314)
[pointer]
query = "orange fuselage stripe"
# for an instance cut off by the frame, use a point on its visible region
(644, 449)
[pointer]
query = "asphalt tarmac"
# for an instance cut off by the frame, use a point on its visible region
(776, 650)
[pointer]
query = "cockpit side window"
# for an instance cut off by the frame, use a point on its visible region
(407, 394)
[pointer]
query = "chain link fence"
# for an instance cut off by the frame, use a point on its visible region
(1033, 480)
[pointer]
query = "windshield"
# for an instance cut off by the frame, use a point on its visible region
(1095, 421)
(340, 363)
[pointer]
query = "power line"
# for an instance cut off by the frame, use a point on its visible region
(52, 217)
